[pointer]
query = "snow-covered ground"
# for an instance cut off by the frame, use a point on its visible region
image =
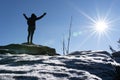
(86, 65)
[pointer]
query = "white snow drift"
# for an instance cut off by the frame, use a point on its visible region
(84, 65)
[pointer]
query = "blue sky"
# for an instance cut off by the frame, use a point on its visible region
(54, 26)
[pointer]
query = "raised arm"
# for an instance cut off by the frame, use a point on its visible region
(41, 16)
(25, 16)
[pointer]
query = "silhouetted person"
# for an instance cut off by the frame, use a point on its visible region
(31, 25)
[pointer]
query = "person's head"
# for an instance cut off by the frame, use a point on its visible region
(33, 15)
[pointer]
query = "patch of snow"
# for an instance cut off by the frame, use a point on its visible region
(88, 65)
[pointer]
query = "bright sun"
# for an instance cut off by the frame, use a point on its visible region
(100, 26)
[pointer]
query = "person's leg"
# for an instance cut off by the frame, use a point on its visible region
(28, 37)
(31, 40)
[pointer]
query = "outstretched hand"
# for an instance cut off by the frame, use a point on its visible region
(24, 14)
(44, 13)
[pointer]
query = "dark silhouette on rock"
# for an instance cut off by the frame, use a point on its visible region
(31, 26)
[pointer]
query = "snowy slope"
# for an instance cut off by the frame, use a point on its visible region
(86, 65)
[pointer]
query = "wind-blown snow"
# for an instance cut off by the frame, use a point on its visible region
(76, 66)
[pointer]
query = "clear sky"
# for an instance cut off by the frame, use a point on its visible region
(55, 25)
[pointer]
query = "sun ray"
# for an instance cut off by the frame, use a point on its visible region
(86, 39)
(86, 15)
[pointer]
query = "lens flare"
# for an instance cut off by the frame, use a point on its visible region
(101, 26)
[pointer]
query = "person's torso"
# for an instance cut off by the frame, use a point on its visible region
(31, 22)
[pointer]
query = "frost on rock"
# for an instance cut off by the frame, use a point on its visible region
(83, 65)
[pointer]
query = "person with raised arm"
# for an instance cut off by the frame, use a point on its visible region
(31, 21)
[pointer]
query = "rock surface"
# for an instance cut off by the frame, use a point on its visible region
(27, 49)
(116, 57)
(79, 65)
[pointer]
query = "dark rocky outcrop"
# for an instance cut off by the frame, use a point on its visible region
(116, 54)
(27, 49)
(116, 57)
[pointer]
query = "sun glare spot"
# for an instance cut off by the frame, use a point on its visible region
(100, 26)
